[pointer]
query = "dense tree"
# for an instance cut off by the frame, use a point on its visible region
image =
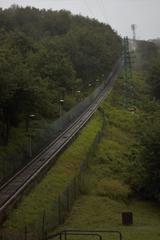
(146, 153)
(154, 78)
(147, 53)
(48, 55)
(149, 158)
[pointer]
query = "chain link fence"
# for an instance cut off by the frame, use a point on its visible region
(14, 160)
(61, 207)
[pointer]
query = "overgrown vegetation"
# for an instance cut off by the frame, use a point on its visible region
(124, 173)
(148, 135)
(118, 175)
(46, 56)
(57, 179)
(51, 59)
(96, 213)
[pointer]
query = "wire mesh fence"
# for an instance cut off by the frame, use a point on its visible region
(56, 215)
(14, 160)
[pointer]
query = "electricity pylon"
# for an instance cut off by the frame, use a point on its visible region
(133, 45)
(128, 88)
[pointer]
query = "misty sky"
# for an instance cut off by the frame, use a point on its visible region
(120, 14)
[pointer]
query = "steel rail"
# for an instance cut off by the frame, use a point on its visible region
(14, 187)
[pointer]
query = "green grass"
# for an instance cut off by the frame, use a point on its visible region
(108, 192)
(14, 154)
(56, 180)
(95, 212)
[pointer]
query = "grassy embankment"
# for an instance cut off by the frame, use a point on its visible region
(108, 191)
(15, 154)
(30, 210)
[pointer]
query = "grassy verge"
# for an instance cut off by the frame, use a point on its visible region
(16, 153)
(56, 180)
(108, 180)
(97, 212)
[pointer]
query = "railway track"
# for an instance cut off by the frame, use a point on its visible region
(15, 187)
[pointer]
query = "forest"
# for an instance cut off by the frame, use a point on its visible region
(122, 164)
(50, 61)
(46, 56)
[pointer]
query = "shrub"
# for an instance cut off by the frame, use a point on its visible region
(114, 189)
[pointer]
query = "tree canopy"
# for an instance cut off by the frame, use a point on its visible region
(46, 55)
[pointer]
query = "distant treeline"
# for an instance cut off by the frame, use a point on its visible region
(47, 55)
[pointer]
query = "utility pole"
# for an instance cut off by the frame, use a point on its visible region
(29, 133)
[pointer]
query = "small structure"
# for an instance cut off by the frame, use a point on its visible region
(127, 218)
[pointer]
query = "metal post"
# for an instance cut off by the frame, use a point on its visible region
(1, 236)
(75, 188)
(43, 225)
(65, 235)
(60, 110)
(30, 146)
(28, 118)
(68, 199)
(25, 233)
(78, 95)
(61, 101)
(60, 236)
(59, 209)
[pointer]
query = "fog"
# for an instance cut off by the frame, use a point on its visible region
(120, 14)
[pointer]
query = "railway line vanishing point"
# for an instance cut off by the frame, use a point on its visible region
(13, 189)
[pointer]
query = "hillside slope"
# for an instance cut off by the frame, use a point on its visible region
(113, 176)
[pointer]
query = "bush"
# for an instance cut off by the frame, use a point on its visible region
(114, 189)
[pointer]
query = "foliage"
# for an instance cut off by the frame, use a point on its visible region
(48, 55)
(114, 189)
(146, 54)
(117, 170)
(56, 180)
(148, 58)
(145, 153)
(149, 156)
(154, 78)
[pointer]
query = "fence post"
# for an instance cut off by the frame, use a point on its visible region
(59, 209)
(68, 199)
(78, 180)
(75, 186)
(25, 233)
(43, 225)
(81, 182)
(1, 235)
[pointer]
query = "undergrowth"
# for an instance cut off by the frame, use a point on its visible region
(56, 180)
(109, 180)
